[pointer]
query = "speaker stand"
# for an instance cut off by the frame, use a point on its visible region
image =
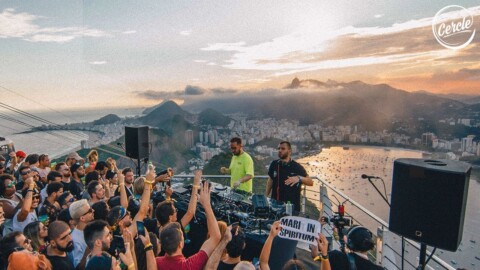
(138, 167)
(423, 256)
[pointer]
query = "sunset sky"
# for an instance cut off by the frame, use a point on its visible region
(77, 54)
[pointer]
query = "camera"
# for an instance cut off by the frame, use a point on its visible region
(338, 221)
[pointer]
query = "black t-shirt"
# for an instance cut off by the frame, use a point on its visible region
(62, 263)
(128, 190)
(225, 266)
(339, 261)
(279, 172)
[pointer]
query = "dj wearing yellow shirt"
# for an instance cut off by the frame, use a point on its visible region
(241, 167)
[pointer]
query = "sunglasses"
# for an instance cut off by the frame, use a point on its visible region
(11, 184)
(36, 197)
(25, 172)
(88, 212)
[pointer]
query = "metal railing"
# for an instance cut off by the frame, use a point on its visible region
(386, 253)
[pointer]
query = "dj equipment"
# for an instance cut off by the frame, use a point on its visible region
(261, 207)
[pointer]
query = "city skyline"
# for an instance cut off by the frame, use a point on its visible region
(104, 54)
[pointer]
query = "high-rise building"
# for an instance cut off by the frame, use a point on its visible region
(201, 136)
(189, 141)
(427, 139)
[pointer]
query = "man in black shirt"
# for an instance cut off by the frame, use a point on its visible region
(359, 242)
(286, 177)
(60, 243)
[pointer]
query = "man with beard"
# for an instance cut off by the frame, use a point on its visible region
(64, 170)
(286, 177)
(76, 184)
(82, 213)
(241, 167)
(99, 238)
(43, 167)
(97, 192)
(51, 207)
(128, 173)
(27, 213)
(119, 219)
(60, 243)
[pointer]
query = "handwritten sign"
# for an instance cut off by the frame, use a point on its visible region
(300, 229)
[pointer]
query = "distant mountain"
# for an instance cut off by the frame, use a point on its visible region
(107, 119)
(165, 112)
(150, 109)
(373, 107)
(296, 83)
(213, 117)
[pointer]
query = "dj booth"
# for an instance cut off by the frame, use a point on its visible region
(254, 214)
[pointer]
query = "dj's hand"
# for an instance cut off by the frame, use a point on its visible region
(292, 180)
(223, 170)
(236, 184)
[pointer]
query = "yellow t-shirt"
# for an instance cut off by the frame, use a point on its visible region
(239, 167)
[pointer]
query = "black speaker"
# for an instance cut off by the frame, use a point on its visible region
(428, 201)
(136, 142)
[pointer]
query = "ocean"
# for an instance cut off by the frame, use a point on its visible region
(56, 143)
(343, 167)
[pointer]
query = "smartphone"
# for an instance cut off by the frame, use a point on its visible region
(141, 228)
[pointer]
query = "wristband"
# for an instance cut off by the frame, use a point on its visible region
(196, 186)
(131, 266)
(299, 180)
(316, 259)
(324, 257)
(148, 248)
(148, 182)
(30, 190)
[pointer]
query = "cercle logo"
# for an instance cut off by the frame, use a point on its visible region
(453, 28)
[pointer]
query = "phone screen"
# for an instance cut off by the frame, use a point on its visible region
(141, 228)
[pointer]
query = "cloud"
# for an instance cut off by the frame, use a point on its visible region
(97, 62)
(129, 32)
(194, 90)
(409, 42)
(200, 61)
(190, 90)
(23, 25)
(186, 32)
(223, 91)
(461, 74)
(211, 64)
(378, 16)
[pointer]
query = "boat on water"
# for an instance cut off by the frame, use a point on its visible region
(346, 148)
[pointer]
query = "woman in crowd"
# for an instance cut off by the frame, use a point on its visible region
(36, 232)
(92, 159)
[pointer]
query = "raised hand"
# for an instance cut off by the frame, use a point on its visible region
(276, 228)
(204, 197)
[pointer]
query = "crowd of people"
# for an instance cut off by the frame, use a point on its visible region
(90, 214)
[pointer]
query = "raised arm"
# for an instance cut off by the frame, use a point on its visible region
(27, 201)
(147, 245)
(145, 201)
(214, 259)
(192, 204)
(212, 225)
(265, 255)
(322, 243)
(123, 192)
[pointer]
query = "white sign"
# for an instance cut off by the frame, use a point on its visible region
(453, 27)
(300, 229)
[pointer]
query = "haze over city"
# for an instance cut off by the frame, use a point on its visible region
(84, 54)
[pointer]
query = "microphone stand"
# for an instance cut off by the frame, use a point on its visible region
(379, 192)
